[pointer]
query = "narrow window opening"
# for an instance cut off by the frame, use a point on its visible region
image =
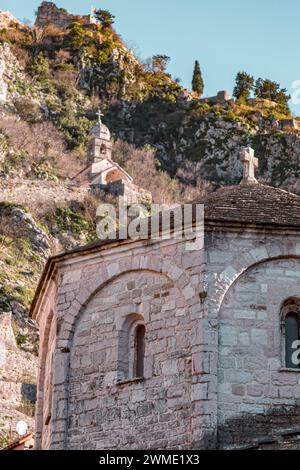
(131, 349)
(139, 349)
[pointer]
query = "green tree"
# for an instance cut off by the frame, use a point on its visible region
(244, 84)
(197, 82)
(39, 66)
(76, 36)
(105, 18)
(269, 90)
(159, 63)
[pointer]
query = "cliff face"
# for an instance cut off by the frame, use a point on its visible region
(10, 73)
(17, 382)
(201, 141)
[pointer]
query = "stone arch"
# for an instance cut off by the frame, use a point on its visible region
(242, 263)
(154, 264)
(290, 307)
(291, 302)
(109, 272)
(250, 373)
(133, 312)
(103, 149)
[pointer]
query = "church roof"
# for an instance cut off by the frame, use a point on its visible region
(87, 177)
(247, 204)
(257, 204)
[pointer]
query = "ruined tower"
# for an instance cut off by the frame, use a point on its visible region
(49, 13)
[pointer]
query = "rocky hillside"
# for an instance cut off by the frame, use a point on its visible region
(60, 72)
(53, 78)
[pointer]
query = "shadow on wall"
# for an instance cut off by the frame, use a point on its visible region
(274, 428)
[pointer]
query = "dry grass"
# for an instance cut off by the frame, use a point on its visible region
(21, 54)
(42, 144)
(142, 166)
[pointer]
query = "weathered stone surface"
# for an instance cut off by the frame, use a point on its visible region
(3, 85)
(258, 355)
(49, 13)
(17, 380)
(214, 364)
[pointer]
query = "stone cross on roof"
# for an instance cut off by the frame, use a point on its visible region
(99, 114)
(250, 163)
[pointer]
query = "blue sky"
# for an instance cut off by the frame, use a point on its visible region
(261, 37)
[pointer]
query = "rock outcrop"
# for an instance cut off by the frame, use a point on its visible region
(17, 381)
(3, 84)
(12, 77)
(23, 221)
(7, 20)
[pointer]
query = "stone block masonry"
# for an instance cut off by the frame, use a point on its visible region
(212, 364)
(49, 13)
(214, 348)
(100, 409)
(256, 396)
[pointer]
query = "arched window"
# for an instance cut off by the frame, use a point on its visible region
(103, 149)
(291, 333)
(139, 351)
(131, 350)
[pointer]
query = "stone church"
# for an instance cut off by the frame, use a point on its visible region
(103, 174)
(147, 345)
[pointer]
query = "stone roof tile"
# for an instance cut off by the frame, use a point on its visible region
(253, 204)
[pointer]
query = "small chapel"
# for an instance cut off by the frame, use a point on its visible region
(147, 345)
(101, 173)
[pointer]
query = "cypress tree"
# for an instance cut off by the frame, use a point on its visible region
(197, 83)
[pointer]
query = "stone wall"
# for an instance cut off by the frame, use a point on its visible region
(162, 403)
(49, 13)
(222, 97)
(132, 193)
(213, 360)
(289, 124)
(48, 343)
(250, 377)
(90, 409)
(250, 275)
